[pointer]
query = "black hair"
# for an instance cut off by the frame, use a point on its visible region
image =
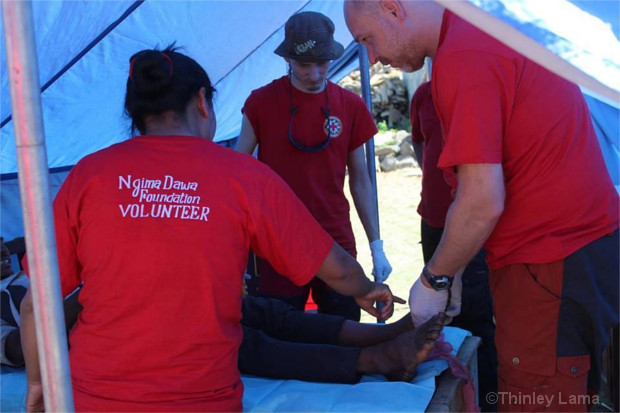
(162, 80)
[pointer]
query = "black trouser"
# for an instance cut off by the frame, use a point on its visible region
(282, 343)
(476, 313)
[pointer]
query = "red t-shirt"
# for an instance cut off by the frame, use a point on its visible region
(496, 106)
(436, 194)
(317, 178)
(158, 228)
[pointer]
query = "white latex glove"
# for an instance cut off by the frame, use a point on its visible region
(381, 268)
(454, 308)
(424, 302)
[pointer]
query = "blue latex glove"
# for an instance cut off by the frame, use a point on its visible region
(381, 268)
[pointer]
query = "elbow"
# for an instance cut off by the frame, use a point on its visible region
(491, 211)
(495, 208)
(485, 211)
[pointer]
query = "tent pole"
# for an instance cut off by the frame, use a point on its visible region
(362, 54)
(36, 204)
(370, 145)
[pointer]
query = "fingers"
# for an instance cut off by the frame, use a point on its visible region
(399, 300)
(371, 310)
(387, 311)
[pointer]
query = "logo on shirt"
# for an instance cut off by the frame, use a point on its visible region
(163, 198)
(333, 125)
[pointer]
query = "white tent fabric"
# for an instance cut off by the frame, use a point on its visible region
(557, 34)
(83, 107)
(84, 49)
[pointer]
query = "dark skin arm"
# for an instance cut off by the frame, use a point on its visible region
(345, 275)
(34, 396)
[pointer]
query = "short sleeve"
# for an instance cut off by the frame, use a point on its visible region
(363, 127)
(472, 94)
(251, 111)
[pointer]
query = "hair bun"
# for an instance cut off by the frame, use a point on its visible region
(151, 72)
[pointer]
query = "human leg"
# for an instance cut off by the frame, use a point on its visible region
(549, 319)
(590, 293)
(353, 333)
(282, 322)
(330, 302)
(399, 358)
(430, 239)
(262, 355)
(333, 303)
(273, 285)
(282, 343)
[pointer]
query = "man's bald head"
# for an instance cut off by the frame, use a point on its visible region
(361, 6)
(398, 33)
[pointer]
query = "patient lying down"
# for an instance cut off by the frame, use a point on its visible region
(282, 343)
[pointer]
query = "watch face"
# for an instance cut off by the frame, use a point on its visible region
(437, 282)
(441, 283)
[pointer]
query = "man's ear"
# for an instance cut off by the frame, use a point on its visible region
(392, 7)
(201, 102)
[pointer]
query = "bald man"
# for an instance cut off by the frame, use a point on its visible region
(530, 185)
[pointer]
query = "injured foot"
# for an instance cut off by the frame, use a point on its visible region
(398, 359)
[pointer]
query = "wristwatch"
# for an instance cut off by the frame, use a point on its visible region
(438, 282)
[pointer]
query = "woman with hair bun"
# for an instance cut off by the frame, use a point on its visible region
(158, 228)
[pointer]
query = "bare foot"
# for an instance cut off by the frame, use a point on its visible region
(398, 359)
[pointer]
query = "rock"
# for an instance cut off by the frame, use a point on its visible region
(389, 94)
(385, 138)
(388, 163)
(405, 162)
(386, 150)
(406, 148)
(394, 116)
(402, 135)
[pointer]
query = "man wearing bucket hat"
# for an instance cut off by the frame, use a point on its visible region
(310, 131)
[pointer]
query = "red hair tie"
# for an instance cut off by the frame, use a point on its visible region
(131, 69)
(169, 61)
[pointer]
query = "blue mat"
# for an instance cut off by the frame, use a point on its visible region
(372, 393)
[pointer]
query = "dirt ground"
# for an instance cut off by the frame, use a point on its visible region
(399, 222)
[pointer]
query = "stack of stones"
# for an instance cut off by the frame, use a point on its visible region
(394, 150)
(390, 97)
(390, 100)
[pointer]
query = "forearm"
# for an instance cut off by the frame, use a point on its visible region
(366, 208)
(477, 206)
(29, 340)
(466, 230)
(247, 139)
(343, 273)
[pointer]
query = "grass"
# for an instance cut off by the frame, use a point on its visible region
(399, 222)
